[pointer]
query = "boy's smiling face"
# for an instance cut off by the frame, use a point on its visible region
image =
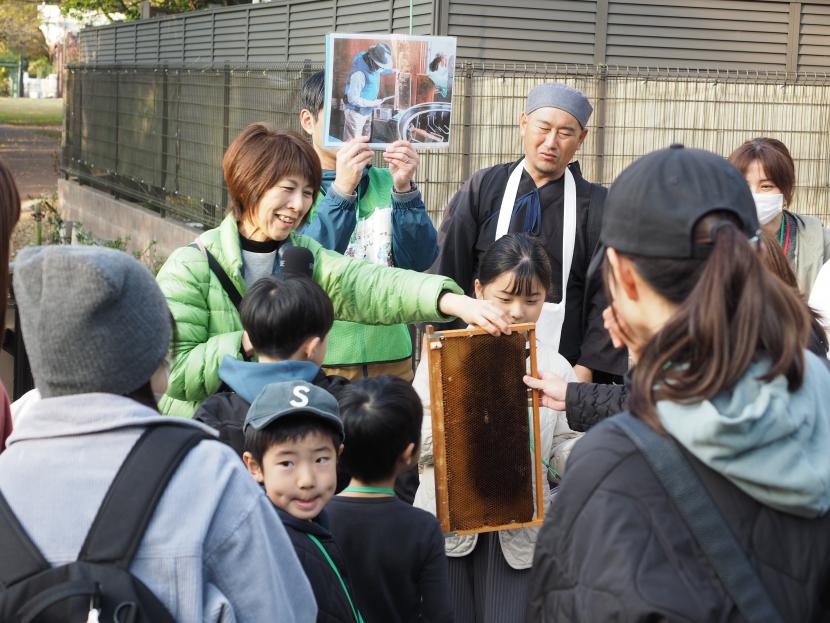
(300, 476)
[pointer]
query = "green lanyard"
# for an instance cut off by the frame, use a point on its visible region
(334, 568)
(551, 472)
(356, 489)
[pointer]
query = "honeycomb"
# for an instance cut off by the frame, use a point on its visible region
(489, 470)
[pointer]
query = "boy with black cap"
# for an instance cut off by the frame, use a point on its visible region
(293, 436)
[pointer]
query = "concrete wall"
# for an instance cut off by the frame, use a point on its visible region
(109, 218)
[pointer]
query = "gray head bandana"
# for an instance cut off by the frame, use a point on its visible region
(558, 95)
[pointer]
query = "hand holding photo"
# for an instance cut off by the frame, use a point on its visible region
(388, 88)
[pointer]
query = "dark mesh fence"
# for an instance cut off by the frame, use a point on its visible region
(157, 135)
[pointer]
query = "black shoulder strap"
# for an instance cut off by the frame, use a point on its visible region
(19, 556)
(727, 557)
(130, 502)
(221, 275)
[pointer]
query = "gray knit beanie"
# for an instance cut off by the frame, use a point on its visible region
(93, 319)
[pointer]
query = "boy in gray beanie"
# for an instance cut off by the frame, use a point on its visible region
(97, 328)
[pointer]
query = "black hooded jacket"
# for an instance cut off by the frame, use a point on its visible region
(615, 548)
(332, 604)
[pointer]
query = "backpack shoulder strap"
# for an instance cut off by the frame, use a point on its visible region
(130, 502)
(737, 575)
(19, 556)
(221, 275)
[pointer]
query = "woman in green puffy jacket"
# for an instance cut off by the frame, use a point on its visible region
(272, 178)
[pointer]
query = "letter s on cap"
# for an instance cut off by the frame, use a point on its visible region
(301, 393)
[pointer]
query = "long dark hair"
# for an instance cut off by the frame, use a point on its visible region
(524, 257)
(732, 311)
(775, 261)
(9, 215)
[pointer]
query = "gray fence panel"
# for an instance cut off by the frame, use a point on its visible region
(147, 42)
(524, 31)
(198, 38)
(422, 17)
(232, 39)
(88, 43)
(125, 40)
(308, 24)
(267, 33)
(814, 42)
(106, 45)
(140, 119)
(698, 34)
(724, 34)
(171, 48)
(362, 16)
(158, 135)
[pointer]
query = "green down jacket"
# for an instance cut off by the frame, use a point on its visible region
(208, 325)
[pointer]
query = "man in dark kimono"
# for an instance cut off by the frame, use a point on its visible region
(536, 199)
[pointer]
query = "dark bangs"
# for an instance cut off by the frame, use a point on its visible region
(775, 159)
(523, 279)
(524, 258)
(290, 428)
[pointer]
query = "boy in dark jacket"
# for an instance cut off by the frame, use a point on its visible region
(394, 552)
(293, 436)
(287, 322)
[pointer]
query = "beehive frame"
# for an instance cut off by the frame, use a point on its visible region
(445, 465)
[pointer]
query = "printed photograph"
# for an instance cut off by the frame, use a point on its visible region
(389, 88)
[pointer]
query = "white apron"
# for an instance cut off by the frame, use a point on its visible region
(549, 325)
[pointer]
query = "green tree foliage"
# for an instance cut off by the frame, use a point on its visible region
(19, 29)
(131, 9)
(40, 67)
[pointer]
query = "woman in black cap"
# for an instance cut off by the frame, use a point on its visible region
(709, 500)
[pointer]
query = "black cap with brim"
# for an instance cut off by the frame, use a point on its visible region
(279, 400)
(653, 206)
(596, 261)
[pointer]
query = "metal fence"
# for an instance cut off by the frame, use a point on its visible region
(157, 135)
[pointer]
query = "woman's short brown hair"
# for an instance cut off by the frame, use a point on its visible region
(259, 158)
(774, 157)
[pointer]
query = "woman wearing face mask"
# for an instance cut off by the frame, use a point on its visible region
(768, 168)
(723, 383)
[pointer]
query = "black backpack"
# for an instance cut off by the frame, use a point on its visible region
(32, 591)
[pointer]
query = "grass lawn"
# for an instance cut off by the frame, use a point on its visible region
(25, 111)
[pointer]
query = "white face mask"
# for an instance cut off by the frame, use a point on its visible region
(768, 206)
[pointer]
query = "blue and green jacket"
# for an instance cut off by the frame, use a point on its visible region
(342, 223)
